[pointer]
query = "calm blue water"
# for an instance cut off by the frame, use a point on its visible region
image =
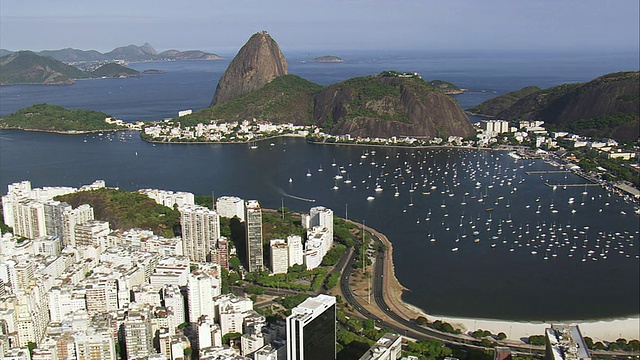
(521, 260)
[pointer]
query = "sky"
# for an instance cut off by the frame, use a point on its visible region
(223, 26)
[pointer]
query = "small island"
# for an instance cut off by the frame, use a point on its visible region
(328, 59)
(54, 118)
(446, 87)
(154, 71)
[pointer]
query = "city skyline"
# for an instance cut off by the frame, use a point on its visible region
(223, 27)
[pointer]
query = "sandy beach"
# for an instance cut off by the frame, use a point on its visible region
(598, 330)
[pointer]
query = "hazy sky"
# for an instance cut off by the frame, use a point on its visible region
(224, 26)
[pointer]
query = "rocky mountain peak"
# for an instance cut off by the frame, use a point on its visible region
(257, 63)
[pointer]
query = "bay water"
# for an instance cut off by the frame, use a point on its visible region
(475, 234)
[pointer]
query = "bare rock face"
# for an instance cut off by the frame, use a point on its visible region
(257, 63)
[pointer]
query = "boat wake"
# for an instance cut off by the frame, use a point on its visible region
(284, 193)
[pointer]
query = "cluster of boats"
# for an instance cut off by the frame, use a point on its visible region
(461, 199)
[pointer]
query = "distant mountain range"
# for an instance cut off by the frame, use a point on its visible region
(145, 52)
(26, 67)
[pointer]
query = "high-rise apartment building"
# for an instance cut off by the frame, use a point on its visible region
(279, 256)
(200, 231)
(311, 329)
(202, 288)
(230, 206)
(138, 334)
(296, 250)
(255, 257)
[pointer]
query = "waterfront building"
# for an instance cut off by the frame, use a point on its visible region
(169, 198)
(279, 256)
(322, 217)
(565, 342)
(231, 206)
(388, 347)
(495, 126)
(311, 329)
(200, 231)
(253, 224)
(319, 242)
(296, 251)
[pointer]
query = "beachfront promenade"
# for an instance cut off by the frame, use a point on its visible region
(388, 309)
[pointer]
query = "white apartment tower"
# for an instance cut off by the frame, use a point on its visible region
(279, 256)
(200, 231)
(253, 223)
(321, 216)
(230, 206)
(202, 288)
(72, 218)
(296, 250)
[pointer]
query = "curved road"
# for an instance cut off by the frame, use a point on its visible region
(398, 323)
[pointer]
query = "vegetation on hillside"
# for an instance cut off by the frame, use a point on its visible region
(285, 99)
(56, 118)
(114, 70)
(126, 210)
(375, 96)
(493, 107)
(446, 87)
(26, 67)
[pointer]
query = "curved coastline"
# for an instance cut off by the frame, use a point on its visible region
(597, 329)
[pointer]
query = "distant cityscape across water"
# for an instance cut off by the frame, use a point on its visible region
(475, 234)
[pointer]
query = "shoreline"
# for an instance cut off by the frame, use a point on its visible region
(67, 132)
(597, 329)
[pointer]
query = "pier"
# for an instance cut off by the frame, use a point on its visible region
(571, 185)
(546, 172)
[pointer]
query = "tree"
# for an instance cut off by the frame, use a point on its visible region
(422, 321)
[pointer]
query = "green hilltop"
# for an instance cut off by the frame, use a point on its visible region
(26, 67)
(127, 210)
(608, 106)
(390, 103)
(47, 117)
(287, 98)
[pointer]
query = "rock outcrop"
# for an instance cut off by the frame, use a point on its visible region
(258, 62)
(385, 106)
